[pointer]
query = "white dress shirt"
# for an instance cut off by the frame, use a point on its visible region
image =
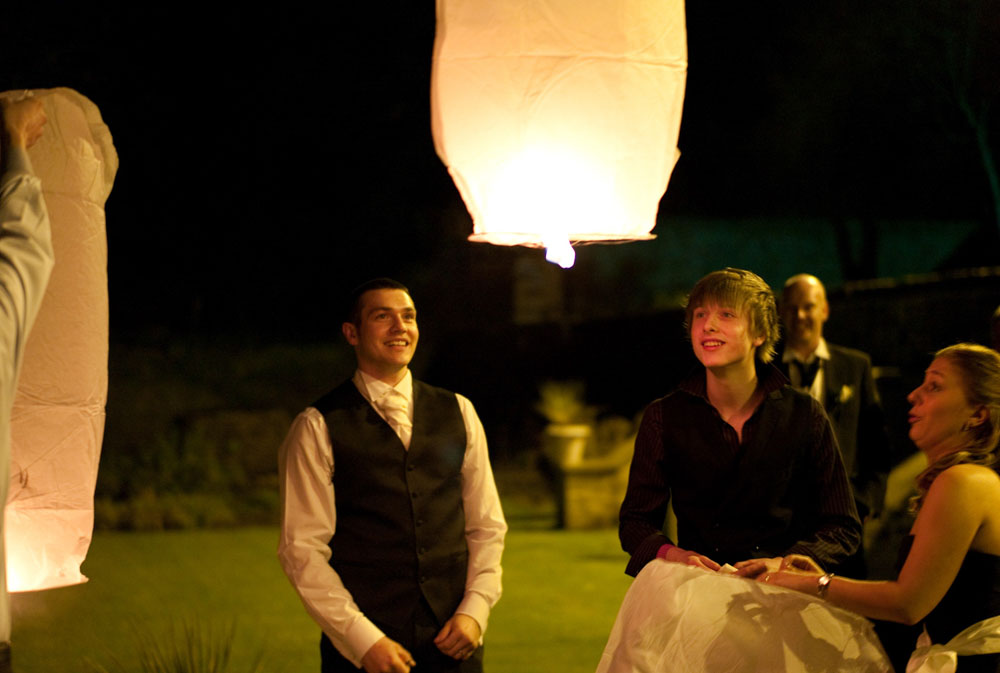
(309, 521)
(25, 264)
(817, 388)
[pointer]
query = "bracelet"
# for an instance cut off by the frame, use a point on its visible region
(823, 585)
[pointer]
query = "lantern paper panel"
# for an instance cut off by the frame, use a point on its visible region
(58, 417)
(558, 119)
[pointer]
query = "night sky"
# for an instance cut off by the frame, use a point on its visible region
(272, 158)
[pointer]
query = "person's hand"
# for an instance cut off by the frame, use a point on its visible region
(387, 656)
(802, 564)
(789, 572)
(758, 567)
(23, 121)
(691, 558)
(459, 638)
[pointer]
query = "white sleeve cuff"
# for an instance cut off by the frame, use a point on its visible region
(478, 608)
(360, 638)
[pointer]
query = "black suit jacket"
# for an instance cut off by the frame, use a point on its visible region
(853, 405)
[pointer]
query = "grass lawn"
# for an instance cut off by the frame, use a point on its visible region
(561, 593)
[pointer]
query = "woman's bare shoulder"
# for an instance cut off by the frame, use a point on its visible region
(975, 490)
(969, 475)
(971, 487)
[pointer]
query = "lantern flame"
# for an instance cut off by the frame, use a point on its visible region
(561, 253)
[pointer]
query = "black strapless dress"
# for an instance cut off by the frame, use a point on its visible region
(972, 597)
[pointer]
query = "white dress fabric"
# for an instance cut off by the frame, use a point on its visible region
(980, 638)
(682, 619)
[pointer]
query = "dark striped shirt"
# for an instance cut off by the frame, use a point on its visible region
(782, 490)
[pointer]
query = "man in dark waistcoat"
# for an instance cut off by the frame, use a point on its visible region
(392, 530)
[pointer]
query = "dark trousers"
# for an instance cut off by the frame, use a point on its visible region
(418, 639)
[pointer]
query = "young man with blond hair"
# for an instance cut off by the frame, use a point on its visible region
(749, 464)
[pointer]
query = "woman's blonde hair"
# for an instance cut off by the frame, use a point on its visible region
(979, 374)
(743, 290)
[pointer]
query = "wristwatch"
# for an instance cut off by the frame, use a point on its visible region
(823, 585)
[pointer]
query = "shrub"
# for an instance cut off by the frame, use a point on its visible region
(212, 469)
(145, 511)
(197, 649)
(108, 514)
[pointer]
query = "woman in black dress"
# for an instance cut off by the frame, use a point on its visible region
(950, 579)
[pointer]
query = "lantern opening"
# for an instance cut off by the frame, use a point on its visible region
(38, 557)
(548, 197)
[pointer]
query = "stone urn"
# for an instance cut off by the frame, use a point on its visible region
(565, 444)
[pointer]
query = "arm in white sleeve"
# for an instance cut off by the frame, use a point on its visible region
(25, 259)
(484, 522)
(308, 523)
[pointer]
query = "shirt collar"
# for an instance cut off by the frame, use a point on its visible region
(769, 379)
(822, 352)
(374, 390)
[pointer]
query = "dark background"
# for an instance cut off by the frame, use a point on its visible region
(272, 159)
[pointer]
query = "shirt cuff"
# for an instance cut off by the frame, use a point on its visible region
(360, 638)
(478, 608)
(662, 551)
(16, 162)
(645, 552)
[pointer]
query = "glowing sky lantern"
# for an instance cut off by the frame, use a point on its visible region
(58, 418)
(558, 119)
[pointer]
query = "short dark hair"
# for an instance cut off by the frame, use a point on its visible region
(743, 290)
(352, 308)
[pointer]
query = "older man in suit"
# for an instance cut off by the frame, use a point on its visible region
(841, 380)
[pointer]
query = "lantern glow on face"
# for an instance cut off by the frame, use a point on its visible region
(558, 119)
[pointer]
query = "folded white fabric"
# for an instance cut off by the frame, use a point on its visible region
(682, 619)
(980, 638)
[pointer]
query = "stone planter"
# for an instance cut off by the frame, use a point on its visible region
(566, 443)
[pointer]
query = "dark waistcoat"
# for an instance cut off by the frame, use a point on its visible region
(400, 527)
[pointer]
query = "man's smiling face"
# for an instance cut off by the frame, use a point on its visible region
(721, 337)
(385, 337)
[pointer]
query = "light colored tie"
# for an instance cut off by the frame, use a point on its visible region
(394, 408)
